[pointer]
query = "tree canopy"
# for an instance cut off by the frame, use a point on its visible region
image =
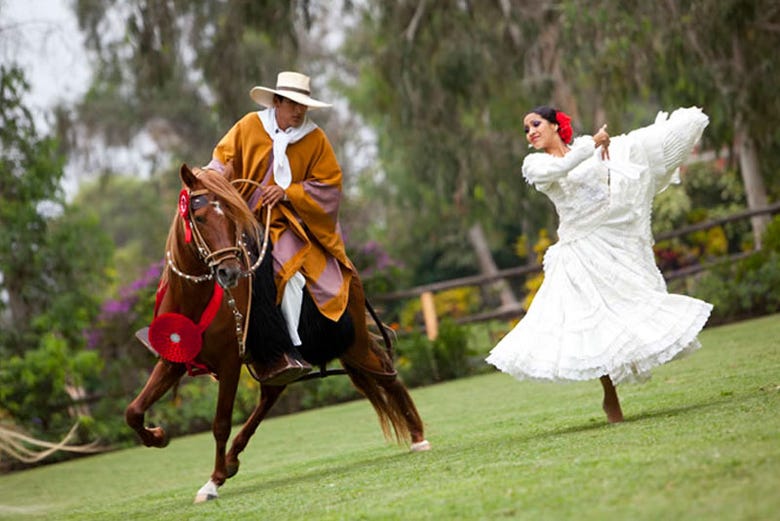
(53, 260)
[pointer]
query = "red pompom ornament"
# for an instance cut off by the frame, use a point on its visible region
(175, 337)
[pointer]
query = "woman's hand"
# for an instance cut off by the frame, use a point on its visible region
(601, 139)
(272, 194)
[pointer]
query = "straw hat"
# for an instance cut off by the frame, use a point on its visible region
(292, 85)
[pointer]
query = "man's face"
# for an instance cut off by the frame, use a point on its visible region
(289, 113)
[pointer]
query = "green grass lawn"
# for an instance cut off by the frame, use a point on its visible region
(701, 440)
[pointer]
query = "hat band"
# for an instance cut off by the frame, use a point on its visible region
(302, 91)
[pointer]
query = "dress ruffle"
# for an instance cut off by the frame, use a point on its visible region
(599, 312)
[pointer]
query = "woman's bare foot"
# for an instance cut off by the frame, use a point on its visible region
(611, 403)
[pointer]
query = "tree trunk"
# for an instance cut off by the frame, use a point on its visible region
(751, 177)
(488, 267)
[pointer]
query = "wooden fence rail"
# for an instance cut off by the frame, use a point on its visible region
(425, 291)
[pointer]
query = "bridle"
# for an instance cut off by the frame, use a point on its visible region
(211, 258)
(190, 200)
(195, 200)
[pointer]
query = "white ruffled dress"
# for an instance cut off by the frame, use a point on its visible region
(603, 308)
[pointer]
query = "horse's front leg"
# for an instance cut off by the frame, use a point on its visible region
(269, 394)
(163, 377)
(228, 383)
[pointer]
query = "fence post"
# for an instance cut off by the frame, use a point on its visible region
(429, 315)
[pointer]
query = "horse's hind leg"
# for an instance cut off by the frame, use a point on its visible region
(392, 402)
(268, 397)
(399, 397)
(372, 372)
(163, 377)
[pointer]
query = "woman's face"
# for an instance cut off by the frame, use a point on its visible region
(542, 134)
(289, 113)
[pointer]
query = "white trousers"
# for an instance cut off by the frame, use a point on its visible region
(292, 301)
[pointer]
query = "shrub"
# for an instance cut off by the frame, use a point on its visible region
(453, 303)
(34, 390)
(746, 288)
(422, 361)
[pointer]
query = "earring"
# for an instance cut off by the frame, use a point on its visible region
(530, 145)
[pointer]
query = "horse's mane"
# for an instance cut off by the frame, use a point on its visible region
(232, 203)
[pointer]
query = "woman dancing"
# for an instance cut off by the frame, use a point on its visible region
(603, 310)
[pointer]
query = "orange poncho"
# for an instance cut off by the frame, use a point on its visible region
(305, 230)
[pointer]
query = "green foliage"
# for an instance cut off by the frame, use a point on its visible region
(771, 239)
(709, 190)
(379, 273)
(53, 259)
(609, 49)
(127, 204)
(190, 410)
(670, 209)
(52, 255)
(34, 384)
(78, 253)
(322, 392)
(446, 127)
(748, 287)
(182, 69)
(30, 175)
(452, 303)
(421, 361)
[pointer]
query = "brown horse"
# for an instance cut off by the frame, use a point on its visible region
(215, 260)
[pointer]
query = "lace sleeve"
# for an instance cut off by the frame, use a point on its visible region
(545, 168)
(683, 130)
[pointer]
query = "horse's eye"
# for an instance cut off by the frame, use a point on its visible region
(198, 202)
(200, 219)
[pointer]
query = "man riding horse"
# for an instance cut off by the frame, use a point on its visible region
(298, 175)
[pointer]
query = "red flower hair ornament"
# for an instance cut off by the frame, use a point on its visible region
(564, 126)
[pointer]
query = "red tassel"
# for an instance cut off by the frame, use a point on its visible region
(184, 211)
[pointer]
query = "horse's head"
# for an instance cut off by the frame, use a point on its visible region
(211, 222)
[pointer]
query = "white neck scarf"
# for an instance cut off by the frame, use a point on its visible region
(282, 138)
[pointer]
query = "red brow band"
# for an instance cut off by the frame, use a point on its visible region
(302, 91)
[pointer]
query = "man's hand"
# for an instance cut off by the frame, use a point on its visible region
(272, 194)
(601, 139)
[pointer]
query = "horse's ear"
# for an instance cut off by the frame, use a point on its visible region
(187, 177)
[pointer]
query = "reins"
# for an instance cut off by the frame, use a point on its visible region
(213, 259)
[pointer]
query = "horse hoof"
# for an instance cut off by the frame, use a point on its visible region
(232, 468)
(157, 437)
(160, 437)
(206, 493)
(165, 439)
(202, 498)
(420, 446)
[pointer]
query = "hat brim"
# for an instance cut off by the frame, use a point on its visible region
(265, 97)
